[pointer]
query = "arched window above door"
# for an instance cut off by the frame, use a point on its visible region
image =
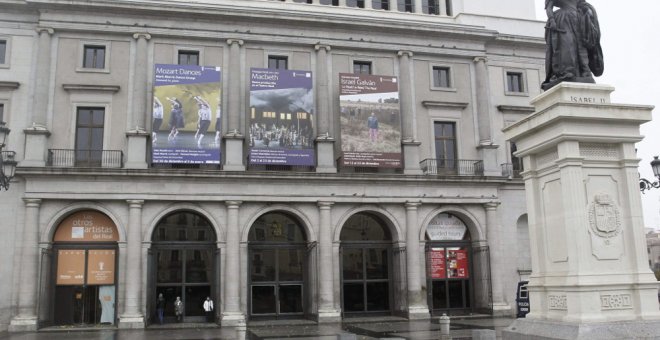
(365, 227)
(184, 226)
(276, 227)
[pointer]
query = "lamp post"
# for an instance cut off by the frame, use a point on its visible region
(645, 184)
(7, 159)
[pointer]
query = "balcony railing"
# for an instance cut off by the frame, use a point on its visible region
(68, 158)
(511, 170)
(437, 7)
(458, 167)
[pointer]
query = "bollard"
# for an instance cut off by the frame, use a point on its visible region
(444, 324)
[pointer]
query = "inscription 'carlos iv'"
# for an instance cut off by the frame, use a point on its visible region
(588, 100)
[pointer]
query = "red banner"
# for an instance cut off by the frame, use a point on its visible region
(438, 270)
(457, 263)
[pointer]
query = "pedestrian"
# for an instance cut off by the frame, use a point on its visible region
(178, 309)
(208, 309)
(160, 307)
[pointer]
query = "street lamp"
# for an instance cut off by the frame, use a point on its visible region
(7, 159)
(645, 184)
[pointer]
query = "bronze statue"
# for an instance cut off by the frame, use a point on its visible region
(572, 35)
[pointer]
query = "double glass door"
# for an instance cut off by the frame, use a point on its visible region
(276, 281)
(186, 273)
(449, 276)
(366, 278)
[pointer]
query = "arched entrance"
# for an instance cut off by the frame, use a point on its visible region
(183, 264)
(278, 262)
(449, 265)
(366, 263)
(85, 269)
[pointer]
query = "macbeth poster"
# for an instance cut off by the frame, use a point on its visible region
(281, 117)
(187, 113)
(370, 121)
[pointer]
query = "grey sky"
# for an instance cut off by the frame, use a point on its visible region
(631, 42)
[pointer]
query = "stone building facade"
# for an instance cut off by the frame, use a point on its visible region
(93, 231)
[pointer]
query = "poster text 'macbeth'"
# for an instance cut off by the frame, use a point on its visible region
(265, 76)
(180, 72)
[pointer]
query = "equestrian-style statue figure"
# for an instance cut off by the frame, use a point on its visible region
(572, 35)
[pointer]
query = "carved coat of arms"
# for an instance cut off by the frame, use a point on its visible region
(604, 216)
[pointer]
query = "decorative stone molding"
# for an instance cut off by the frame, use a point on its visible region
(516, 109)
(547, 158)
(447, 105)
(480, 59)
(235, 41)
(146, 36)
(327, 48)
(616, 301)
(599, 151)
(86, 87)
(48, 30)
(557, 302)
(9, 85)
(402, 53)
(604, 217)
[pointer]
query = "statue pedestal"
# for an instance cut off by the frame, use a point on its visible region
(590, 276)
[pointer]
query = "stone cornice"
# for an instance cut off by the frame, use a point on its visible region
(516, 109)
(9, 85)
(87, 87)
(450, 105)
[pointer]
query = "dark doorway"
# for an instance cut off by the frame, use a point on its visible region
(366, 253)
(184, 256)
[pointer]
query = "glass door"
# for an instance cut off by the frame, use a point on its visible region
(276, 281)
(449, 276)
(366, 278)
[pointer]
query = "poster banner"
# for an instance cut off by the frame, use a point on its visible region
(370, 121)
(187, 114)
(281, 117)
(446, 227)
(101, 267)
(86, 226)
(70, 267)
(438, 269)
(457, 264)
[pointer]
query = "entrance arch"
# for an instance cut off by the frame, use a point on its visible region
(279, 258)
(366, 255)
(85, 269)
(183, 263)
(449, 265)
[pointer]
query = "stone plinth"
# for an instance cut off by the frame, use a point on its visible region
(589, 263)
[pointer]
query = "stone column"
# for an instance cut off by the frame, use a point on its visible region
(408, 135)
(418, 6)
(497, 254)
(487, 149)
(136, 155)
(417, 308)
(327, 311)
(443, 7)
(36, 135)
(232, 314)
(132, 317)
(27, 320)
(325, 150)
(234, 137)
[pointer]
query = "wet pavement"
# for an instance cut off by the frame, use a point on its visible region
(354, 329)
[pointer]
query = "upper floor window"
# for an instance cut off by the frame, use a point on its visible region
(3, 51)
(355, 3)
(2, 112)
(94, 56)
(362, 67)
(515, 82)
(450, 9)
(381, 4)
(89, 135)
(445, 142)
(441, 76)
(278, 62)
(405, 5)
(431, 6)
(188, 57)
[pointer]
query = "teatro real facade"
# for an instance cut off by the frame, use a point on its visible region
(97, 222)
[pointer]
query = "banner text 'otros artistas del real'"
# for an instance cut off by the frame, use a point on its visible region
(370, 121)
(281, 117)
(187, 114)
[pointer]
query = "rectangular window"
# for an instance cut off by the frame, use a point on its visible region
(405, 5)
(355, 3)
(431, 7)
(362, 67)
(94, 57)
(381, 4)
(514, 82)
(450, 10)
(3, 51)
(2, 112)
(445, 145)
(278, 62)
(188, 57)
(89, 136)
(441, 76)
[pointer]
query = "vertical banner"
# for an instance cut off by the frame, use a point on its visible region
(438, 263)
(186, 114)
(70, 267)
(101, 267)
(281, 117)
(457, 263)
(370, 121)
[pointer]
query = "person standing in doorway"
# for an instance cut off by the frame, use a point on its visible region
(178, 309)
(160, 307)
(208, 309)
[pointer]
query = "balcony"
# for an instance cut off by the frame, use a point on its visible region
(511, 170)
(452, 167)
(69, 158)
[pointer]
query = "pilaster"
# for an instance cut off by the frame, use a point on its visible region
(234, 138)
(325, 149)
(409, 142)
(136, 157)
(417, 308)
(487, 149)
(497, 255)
(327, 312)
(232, 314)
(132, 317)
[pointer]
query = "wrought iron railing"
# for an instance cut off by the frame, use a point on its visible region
(511, 170)
(459, 167)
(69, 158)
